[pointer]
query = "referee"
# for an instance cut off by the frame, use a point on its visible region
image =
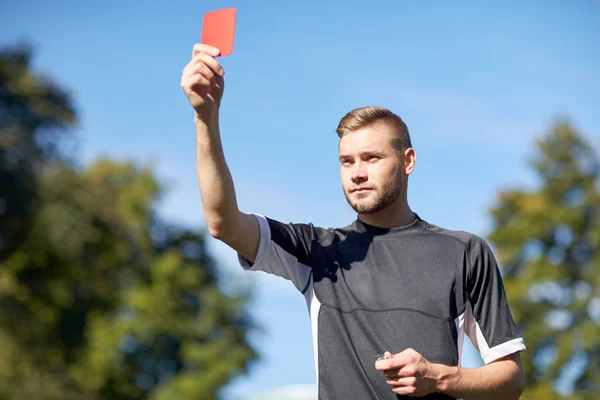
(389, 283)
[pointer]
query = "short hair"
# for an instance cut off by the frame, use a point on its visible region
(366, 116)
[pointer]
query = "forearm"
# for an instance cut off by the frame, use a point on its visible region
(498, 380)
(219, 202)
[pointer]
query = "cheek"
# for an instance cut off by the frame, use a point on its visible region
(344, 174)
(384, 173)
(346, 177)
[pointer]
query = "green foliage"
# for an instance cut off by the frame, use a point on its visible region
(34, 115)
(548, 241)
(99, 298)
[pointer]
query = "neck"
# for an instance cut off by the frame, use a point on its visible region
(396, 215)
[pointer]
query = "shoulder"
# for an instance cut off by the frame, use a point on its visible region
(481, 262)
(308, 230)
(327, 236)
(472, 242)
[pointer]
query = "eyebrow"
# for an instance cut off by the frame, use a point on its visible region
(373, 152)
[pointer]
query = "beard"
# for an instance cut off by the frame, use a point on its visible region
(378, 198)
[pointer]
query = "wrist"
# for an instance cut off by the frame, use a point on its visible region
(445, 376)
(206, 119)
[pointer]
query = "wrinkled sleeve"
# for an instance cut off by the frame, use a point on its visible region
(284, 250)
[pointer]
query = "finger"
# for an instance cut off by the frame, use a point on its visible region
(203, 70)
(411, 381)
(204, 48)
(407, 356)
(408, 370)
(395, 362)
(203, 58)
(392, 373)
(405, 390)
(219, 82)
(199, 84)
(194, 83)
(408, 353)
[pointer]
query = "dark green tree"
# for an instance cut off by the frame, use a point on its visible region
(99, 297)
(35, 115)
(548, 241)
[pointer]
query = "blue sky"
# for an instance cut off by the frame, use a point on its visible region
(475, 86)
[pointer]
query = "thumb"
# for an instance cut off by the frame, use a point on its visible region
(387, 354)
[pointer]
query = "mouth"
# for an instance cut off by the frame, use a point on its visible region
(360, 190)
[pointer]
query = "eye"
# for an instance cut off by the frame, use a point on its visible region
(346, 162)
(372, 158)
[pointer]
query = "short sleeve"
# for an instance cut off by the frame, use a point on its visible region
(488, 321)
(283, 250)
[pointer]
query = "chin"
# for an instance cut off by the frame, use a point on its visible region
(363, 208)
(362, 205)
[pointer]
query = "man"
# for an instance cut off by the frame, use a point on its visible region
(389, 282)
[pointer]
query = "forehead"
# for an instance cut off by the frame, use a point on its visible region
(376, 137)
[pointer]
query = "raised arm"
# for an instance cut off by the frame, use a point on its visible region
(203, 83)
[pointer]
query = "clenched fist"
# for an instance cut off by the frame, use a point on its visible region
(202, 81)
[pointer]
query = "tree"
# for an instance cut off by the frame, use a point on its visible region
(548, 241)
(34, 116)
(99, 297)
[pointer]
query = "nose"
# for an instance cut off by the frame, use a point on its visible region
(359, 173)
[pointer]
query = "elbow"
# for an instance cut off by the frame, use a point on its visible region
(513, 385)
(220, 231)
(216, 233)
(521, 385)
(518, 384)
(221, 225)
(216, 224)
(517, 392)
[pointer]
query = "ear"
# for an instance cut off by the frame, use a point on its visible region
(410, 160)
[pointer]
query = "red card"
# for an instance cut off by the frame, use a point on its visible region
(218, 30)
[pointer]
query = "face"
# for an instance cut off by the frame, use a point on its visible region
(371, 168)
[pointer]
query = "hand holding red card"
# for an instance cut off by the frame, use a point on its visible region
(218, 30)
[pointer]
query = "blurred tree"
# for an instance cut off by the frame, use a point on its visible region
(100, 298)
(548, 241)
(34, 115)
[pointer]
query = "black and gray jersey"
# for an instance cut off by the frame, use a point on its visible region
(370, 290)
